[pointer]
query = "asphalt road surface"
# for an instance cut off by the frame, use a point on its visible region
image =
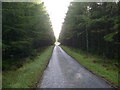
(64, 72)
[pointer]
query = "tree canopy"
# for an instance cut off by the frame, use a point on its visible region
(93, 27)
(25, 27)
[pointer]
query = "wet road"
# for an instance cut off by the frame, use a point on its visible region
(64, 72)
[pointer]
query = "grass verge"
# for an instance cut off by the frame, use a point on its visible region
(28, 75)
(105, 68)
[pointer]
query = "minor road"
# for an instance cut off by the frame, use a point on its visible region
(64, 72)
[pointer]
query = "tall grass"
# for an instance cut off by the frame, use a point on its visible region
(102, 67)
(29, 74)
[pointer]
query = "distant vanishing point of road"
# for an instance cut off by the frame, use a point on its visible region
(64, 72)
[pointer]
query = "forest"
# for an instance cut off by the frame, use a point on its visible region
(26, 27)
(93, 27)
(89, 48)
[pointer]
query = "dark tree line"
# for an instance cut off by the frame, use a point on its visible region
(93, 27)
(25, 27)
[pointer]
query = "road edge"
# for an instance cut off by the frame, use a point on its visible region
(42, 75)
(112, 86)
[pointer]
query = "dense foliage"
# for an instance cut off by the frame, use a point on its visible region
(25, 27)
(93, 27)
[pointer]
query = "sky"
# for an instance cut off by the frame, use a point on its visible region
(57, 10)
